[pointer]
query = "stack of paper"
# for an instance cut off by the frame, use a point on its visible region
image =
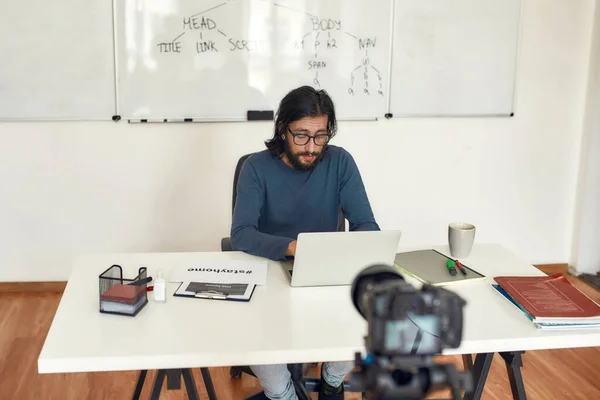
(124, 299)
(550, 302)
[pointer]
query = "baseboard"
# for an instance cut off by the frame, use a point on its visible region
(56, 287)
(550, 269)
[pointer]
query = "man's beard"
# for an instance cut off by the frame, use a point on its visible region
(294, 158)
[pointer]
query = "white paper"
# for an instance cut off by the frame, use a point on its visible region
(222, 271)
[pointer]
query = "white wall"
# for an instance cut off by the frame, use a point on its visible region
(70, 188)
(586, 242)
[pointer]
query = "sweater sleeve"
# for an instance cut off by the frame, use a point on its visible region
(245, 235)
(353, 197)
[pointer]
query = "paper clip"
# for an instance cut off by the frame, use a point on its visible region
(211, 294)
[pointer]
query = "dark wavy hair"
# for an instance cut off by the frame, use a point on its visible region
(304, 101)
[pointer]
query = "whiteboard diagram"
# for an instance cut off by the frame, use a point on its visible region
(219, 59)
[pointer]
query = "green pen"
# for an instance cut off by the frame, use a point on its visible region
(451, 267)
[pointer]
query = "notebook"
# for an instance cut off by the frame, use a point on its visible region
(429, 266)
(550, 302)
(127, 294)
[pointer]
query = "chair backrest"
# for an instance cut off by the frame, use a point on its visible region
(236, 176)
(238, 168)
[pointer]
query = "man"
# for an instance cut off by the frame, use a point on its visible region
(298, 185)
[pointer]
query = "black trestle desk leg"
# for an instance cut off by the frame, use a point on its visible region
(210, 389)
(514, 362)
(467, 361)
(173, 379)
(480, 371)
(140, 384)
(190, 384)
(158, 382)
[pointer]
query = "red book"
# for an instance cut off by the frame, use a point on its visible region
(123, 293)
(549, 297)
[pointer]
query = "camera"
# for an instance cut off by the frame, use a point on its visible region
(406, 329)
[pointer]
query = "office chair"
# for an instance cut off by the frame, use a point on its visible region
(302, 384)
(226, 242)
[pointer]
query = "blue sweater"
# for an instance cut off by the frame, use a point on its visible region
(276, 202)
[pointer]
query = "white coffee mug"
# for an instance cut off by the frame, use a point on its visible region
(461, 236)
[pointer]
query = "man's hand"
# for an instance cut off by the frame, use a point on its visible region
(291, 250)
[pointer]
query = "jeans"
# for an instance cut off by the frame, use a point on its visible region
(276, 380)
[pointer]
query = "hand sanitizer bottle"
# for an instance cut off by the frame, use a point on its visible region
(160, 288)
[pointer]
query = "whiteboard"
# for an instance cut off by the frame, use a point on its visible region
(57, 60)
(218, 59)
(454, 57)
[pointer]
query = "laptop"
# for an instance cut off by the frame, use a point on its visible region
(335, 258)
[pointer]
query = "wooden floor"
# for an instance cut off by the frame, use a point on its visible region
(26, 317)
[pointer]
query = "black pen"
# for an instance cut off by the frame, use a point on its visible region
(141, 281)
(460, 267)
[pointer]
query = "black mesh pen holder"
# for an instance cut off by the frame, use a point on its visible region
(121, 296)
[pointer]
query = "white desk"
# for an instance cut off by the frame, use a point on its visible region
(279, 325)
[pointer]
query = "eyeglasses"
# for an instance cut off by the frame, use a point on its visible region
(302, 139)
